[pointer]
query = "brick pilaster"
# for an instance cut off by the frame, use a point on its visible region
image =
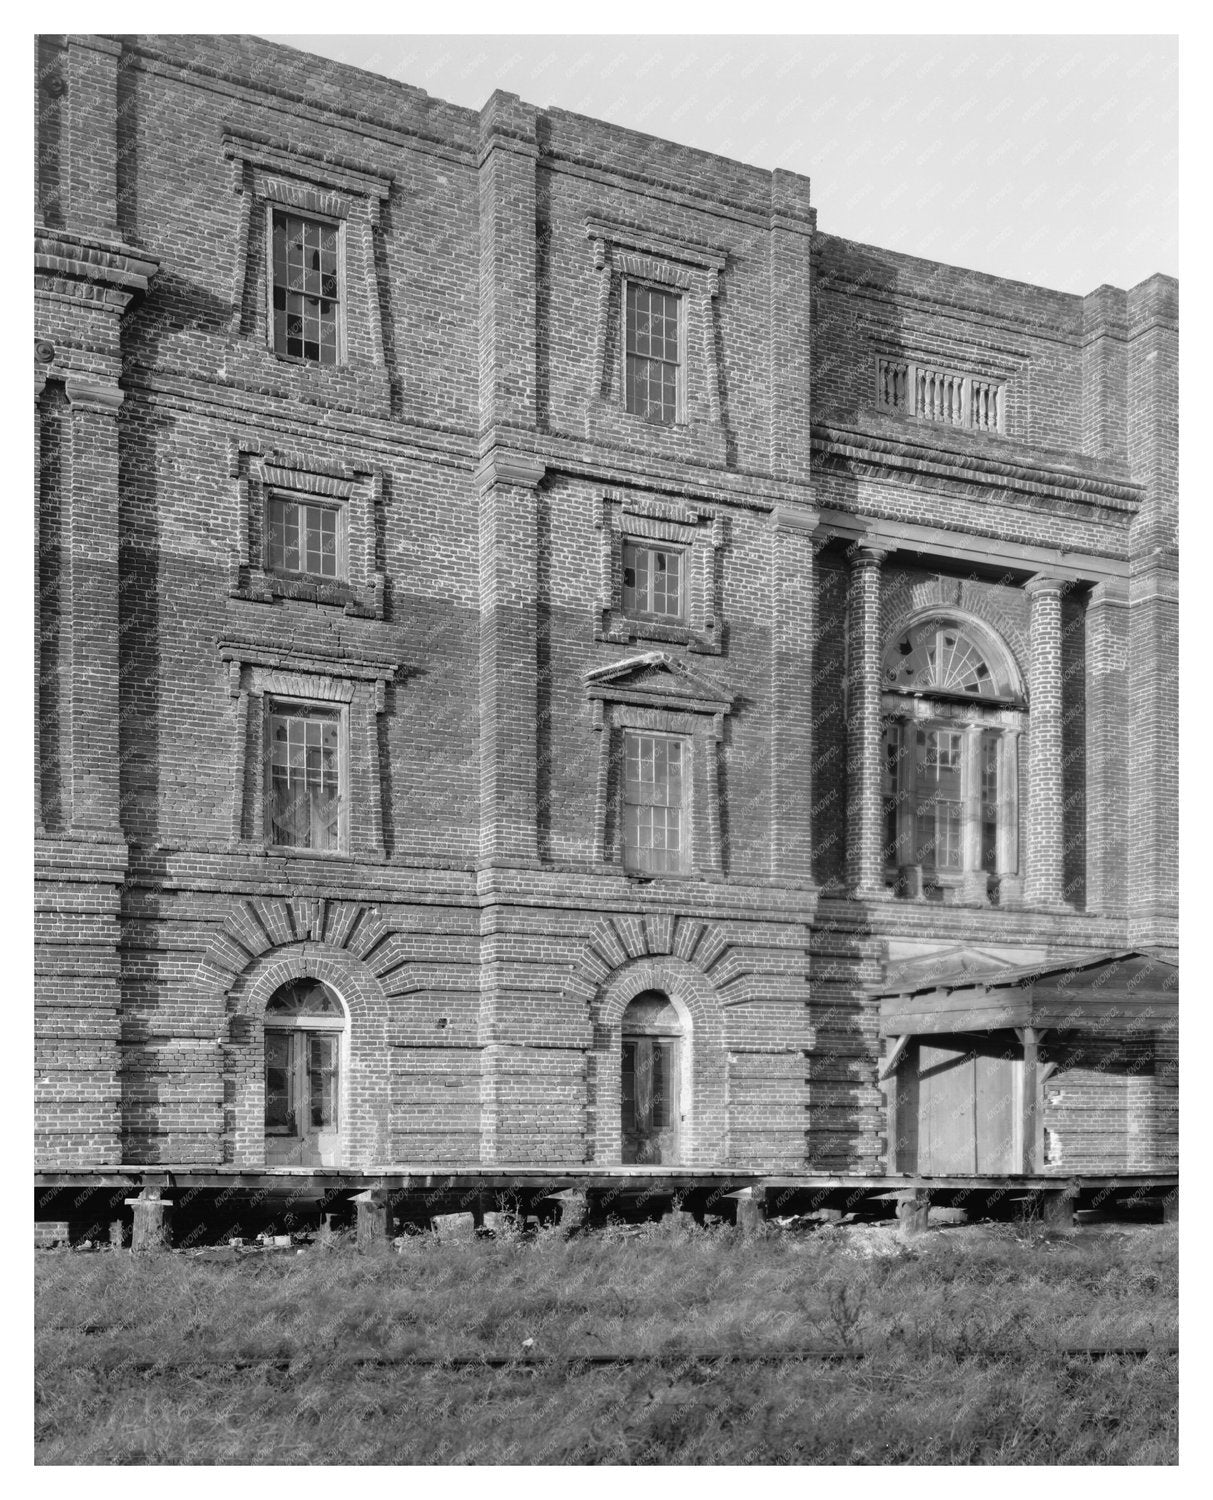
(90, 606)
(507, 157)
(792, 657)
(1107, 781)
(1104, 332)
(1153, 611)
(792, 223)
(90, 161)
(508, 662)
(1043, 885)
(865, 866)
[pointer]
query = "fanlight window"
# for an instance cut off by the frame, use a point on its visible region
(940, 656)
(305, 997)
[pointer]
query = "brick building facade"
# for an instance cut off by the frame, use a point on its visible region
(544, 656)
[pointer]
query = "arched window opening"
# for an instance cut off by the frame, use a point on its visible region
(305, 1045)
(942, 657)
(651, 1079)
(953, 709)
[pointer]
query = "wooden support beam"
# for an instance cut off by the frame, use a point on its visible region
(751, 1210)
(374, 1219)
(1057, 1207)
(913, 1208)
(153, 1220)
(895, 1054)
(1033, 1122)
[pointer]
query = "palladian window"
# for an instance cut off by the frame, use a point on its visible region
(953, 712)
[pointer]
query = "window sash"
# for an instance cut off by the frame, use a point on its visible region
(306, 283)
(302, 1081)
(652, 352)
(305, 779)
(303, 537)
(653, 804)
(652, 581)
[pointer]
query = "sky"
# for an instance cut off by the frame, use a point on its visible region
(1047, 159)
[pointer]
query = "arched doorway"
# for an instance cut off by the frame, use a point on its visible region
(305, 1067)
(655, 1054)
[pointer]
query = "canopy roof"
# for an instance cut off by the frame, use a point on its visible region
(973, 989)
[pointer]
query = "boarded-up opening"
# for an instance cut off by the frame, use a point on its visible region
(958, 1105)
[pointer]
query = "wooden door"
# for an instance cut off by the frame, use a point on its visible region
(649, 1094)
(958, 1106)
(302, 1076)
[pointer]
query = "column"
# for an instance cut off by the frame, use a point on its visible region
(1010, 880)
(1046, 837)
(973, 884)
(865, 861)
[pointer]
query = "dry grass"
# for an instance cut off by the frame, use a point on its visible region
(920, 1395)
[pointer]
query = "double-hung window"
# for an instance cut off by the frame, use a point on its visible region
(304, 777)
(652, 351)
(654, 803)
(304, 537)
(306, 287)
(653, 581)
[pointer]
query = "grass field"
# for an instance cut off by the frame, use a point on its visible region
(141, 1359)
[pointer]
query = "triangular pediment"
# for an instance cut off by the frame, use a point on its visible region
(657, 678)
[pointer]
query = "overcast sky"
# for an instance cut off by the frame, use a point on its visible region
(1049, 159)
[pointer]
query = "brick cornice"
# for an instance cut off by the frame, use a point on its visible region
(71, 259)
(294, 160)
(846, 446)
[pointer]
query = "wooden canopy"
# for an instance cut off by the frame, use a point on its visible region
(971, 990)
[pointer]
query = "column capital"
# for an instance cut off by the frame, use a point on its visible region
(89, 395)
(508, 466)
(1043, 583)
(868, 552)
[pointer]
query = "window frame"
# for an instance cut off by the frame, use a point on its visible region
(685, 863)
(282, 704)
(677, 294)
(339, 360)
(653, 547)
(334, 504)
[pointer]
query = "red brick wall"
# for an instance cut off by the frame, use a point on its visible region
(483, 948)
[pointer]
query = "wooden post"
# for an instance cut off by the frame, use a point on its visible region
(1057, 1207)
(116, 1234)
(374, 1219)
(912, 1209)
(153, 1226)
(1170, 1207)
(1032, 1119)
(751, 1210)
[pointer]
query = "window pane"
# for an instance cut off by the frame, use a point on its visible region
(279, 1112)
(306, 289)
(652, 803)
(322, 1080)
(304, 780)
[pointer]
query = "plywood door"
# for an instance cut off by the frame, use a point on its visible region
(958, 1108)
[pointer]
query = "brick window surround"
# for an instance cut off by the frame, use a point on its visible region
(268, 686)
(273, 484)
(650, 698)
(363, 1107)
(627, 522)
(646, 283)
(282, 184)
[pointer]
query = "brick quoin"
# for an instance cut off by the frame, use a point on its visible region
(478, 923)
